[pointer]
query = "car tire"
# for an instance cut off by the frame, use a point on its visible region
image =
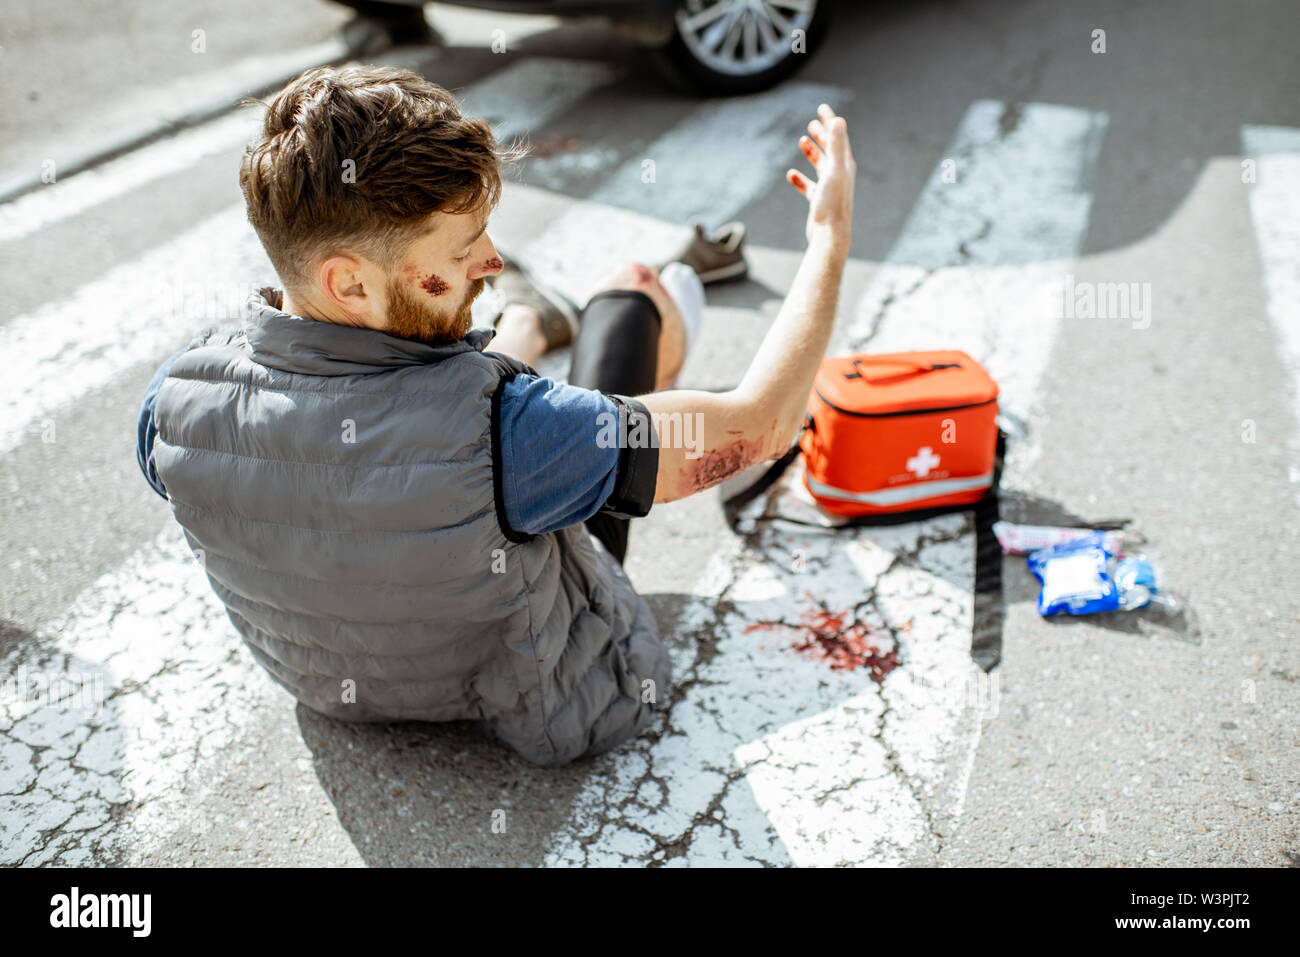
(753, 64)
(401, 23)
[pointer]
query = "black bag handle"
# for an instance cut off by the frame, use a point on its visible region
(914, 367)
(731, 506)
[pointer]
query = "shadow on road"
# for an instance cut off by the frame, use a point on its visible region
(1019, 585)
(425, 794)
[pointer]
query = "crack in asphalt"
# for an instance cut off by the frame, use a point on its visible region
(620, 798)
(882, 310)
(910, 558)
(104, 772)
(665, 849)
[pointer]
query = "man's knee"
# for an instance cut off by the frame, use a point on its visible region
(641, 278)
(636, 276)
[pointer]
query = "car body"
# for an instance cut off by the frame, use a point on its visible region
(710, 46)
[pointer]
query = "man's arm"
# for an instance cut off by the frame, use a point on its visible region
(759, 419)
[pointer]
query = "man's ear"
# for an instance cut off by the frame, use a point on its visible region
(342, 279)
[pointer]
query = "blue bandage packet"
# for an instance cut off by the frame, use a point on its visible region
(1075, 577)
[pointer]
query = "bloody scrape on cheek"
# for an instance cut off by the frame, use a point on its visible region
(435, 285)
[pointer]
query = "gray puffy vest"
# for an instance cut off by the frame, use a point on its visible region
(340, 487)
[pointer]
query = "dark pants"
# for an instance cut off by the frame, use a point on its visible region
(617, 351)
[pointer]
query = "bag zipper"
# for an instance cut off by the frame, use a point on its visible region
(889, 415)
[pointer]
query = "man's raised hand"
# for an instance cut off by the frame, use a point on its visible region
(830, 198)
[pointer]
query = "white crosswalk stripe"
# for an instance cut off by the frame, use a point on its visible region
(1275, 212)
(529, 93)
(844, 771)
(718, 159)
(65, 199)
(155, 625)
(641, 210)
(988, 244)
(66, 349)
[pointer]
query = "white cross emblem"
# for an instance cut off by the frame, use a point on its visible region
(923, 461)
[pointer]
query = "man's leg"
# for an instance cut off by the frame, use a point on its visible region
(631, 341)
(519, 330)
(519, 334)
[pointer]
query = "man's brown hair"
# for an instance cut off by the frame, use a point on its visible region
(411, 154)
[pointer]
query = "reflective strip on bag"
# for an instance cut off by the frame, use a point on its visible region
(905, 493)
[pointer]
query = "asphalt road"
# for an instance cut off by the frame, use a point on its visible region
(1134, 740)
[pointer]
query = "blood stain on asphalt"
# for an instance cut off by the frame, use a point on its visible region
(823, 635)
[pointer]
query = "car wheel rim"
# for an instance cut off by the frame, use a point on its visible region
(743, 37)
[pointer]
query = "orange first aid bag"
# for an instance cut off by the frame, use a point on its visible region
(900, 438)
(900, 432)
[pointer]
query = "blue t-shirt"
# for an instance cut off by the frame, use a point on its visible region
(146, 431)
(555, 472)
(559, 450)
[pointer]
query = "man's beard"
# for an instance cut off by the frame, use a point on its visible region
(411, 318)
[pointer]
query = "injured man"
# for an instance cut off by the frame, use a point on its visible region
(403, 519)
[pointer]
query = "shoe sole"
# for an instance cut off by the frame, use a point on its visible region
(730, 271)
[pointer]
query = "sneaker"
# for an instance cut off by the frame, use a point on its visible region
(559, 315)
(715, 255)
